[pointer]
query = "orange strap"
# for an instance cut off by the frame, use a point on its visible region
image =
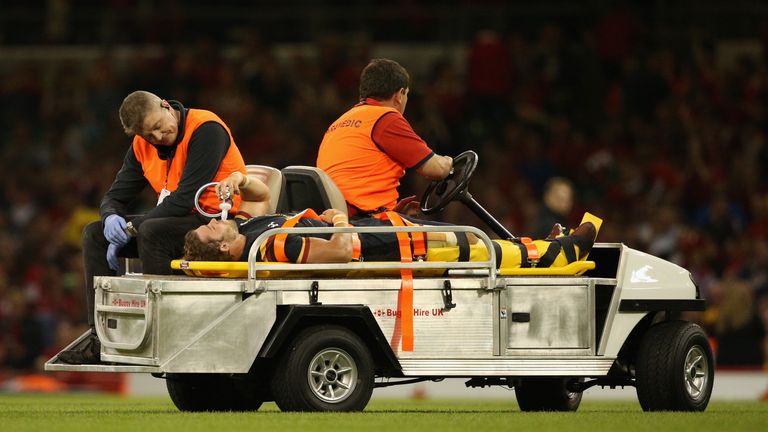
(356, 246)
(405, 300)
(531, 249)
(419, 238)
(279, 247)
(419, 243)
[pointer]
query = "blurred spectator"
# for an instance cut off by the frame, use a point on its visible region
(556, 206)
(739, 329)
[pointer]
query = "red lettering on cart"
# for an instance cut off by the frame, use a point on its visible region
(418, 312)
(129, 303)
(393, 313)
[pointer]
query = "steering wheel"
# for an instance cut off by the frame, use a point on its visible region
(224, 206)
(451, 187)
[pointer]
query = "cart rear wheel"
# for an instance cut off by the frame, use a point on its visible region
(327, 368)
(211, 392)
(675, 368)
(546, 394)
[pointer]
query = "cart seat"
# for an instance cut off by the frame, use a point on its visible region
(273, 178)
(309, 187)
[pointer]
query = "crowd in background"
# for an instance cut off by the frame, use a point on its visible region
(666, 143)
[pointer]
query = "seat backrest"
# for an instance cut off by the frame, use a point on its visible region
(272, 177)
(309, 187)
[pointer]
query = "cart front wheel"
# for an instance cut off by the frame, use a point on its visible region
(675, 368)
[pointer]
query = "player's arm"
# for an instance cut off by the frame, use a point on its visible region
(254, 192)
(338, 249)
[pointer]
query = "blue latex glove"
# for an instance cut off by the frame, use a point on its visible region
(112, 260)
(114, 230)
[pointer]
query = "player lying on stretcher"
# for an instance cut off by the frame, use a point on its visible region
(231, 240)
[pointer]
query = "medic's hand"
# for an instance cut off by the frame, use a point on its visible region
(408, 206)
(114, 230)
(112, 260)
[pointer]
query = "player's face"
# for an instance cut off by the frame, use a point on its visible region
(217, 231)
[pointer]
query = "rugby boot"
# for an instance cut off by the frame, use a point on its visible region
(584, 237)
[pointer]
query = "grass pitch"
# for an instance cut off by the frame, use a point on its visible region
(79, 413)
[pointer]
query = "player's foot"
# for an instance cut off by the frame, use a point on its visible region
(584, 237)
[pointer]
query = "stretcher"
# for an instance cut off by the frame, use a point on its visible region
(509, 264)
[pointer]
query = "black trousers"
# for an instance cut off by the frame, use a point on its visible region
(160, 241)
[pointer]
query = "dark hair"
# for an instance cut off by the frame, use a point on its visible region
(196, 250)
(382, 78)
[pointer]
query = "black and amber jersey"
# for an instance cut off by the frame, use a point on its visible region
(374, 246)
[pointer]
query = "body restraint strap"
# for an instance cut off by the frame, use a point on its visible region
(279, 247)
(405, 296)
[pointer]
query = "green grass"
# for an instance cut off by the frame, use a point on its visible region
(107, 413)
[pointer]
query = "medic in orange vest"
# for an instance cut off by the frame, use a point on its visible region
(175, 151)
(367, 150)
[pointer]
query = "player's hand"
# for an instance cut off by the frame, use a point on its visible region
(229, 187)
(327, 216)
(408, 206)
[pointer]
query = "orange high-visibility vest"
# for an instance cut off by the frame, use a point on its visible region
(365, 175)
(159, 175)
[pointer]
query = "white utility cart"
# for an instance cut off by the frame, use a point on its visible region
(321, 337)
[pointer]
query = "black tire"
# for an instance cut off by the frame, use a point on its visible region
(546, 394)
(211, 392)
(674, 368)
(326, 368)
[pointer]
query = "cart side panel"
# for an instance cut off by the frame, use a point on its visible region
(181, 324)
(229, 344)
(466, 331)
(554, 319)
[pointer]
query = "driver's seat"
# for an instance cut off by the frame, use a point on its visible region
(309, 187)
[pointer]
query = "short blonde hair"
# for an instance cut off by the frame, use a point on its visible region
(135, 107)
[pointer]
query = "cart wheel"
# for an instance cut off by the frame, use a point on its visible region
(546, 394)
(675, 369)
(211, 392)
(327, 368)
